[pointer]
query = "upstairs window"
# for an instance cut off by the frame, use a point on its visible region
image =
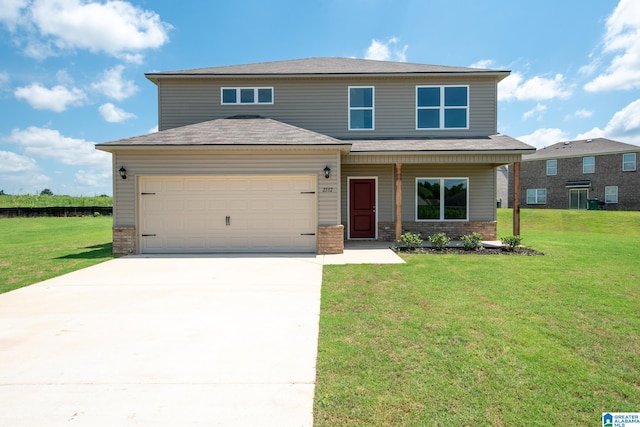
(552, 167)
(629, 162)
(442, 107)
(588, 164)
(361, 108)
(247, 95)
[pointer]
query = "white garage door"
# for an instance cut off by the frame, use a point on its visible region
(227, 214)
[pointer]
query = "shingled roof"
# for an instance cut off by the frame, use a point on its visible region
(234, 131)
(492, 143)
(579, 148)
(326, 67)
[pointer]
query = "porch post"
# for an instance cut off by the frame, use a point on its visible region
(516, 198)
(398, 176)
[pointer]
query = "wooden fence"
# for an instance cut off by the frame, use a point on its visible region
(56, 211)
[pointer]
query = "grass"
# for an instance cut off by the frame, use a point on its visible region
(35, 249)
(29, 201)
(470, 340)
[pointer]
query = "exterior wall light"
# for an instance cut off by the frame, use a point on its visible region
(327, 172)
(123, 172)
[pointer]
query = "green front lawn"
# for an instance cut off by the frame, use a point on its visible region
(470, 340)
(35, 249)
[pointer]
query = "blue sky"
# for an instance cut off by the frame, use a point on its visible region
(72, 71)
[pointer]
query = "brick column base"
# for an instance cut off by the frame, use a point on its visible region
(124, 240)
(330, 239)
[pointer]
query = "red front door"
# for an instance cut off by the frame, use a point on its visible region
(362, 208)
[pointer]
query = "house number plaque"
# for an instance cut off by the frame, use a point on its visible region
(327, 189)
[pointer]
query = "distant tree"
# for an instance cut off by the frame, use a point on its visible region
(46, 192)
(2, 193)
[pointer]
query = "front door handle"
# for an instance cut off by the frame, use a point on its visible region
(374, 209)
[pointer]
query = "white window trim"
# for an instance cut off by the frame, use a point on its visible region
(372, 108)
(537, 199)
(594, 164)
(255, 95)
(634, 162)
(556, 167)
(442, 107)
(442, 219)
(605, 193)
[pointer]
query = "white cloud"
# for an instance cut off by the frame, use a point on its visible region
(57, 99)
(11, 12)
(115, 27)
(114, 85)
(49, 143)
(537, 88)
(483, 63)
(11, 163)
(389, 51)
(4, 79)
(16, 171)
(544, 137)
(113, 114)
(537, 112)
(596, 132)
(583, 114)
(153, 129)
(93, 178)
(623, 38)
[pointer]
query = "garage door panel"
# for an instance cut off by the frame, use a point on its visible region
(265, 214)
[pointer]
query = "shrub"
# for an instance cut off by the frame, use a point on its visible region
(439, 241)
(511, 242)
(411, 240)
(472, 242)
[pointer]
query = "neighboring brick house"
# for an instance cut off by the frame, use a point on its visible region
(567, 175)
(299, 155)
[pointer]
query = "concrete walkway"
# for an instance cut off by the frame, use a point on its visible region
(167, 341)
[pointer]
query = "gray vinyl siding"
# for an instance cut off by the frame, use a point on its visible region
(385, 205)
(482, 189)
(321, 105)
(196, 163)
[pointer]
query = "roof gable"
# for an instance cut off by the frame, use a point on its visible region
(234, 132)
(326, 67)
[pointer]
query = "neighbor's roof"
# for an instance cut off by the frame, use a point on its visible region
(234, 132)
(583, 147)
(492, 143)
(325, 67)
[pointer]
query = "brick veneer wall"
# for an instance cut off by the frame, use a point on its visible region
(454, 230)
(124, 240)
(330, 239)
(608, 172)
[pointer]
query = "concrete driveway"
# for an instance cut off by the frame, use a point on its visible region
(164, 341)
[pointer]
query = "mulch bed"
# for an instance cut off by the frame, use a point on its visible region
(522, 251)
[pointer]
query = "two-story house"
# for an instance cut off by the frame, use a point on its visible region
(301, 155)
(592, 173)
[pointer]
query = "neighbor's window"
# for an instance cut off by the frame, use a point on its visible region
(442, 107)
(537, 196)
(588, 164)
(552, 167)
(611, 194)
(629, 162)
(247, 95)
(361, 108)
(442, 199)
